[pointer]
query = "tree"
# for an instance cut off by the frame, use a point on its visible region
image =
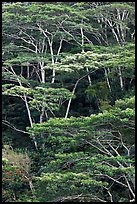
(68, 101)
(91, 154)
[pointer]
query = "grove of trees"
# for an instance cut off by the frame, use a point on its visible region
(68, 101)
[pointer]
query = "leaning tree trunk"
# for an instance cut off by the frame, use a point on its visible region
(82, 45)
(107, 79)
(52, 61)
(73, 92)
(27, 107)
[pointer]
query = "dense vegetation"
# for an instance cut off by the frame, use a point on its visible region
(68, 102)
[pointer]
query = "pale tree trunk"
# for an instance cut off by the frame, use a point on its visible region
(28, 72)
(103, 35)
(42, 72)
(82, 45)
(107, 79)
(50, 43)
(121, 18)
(27, 107)
(53, 76)
(113, 31)
(120, 78)
(89, 78)
(52, 61)
(41, 121)
(21, 71)
(69, 102)
(120, 44)
(73, 92)
(30, 119)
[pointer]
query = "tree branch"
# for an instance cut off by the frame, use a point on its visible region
(5, 122)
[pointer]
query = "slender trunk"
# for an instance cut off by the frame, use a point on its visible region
(121, 79)
(28, 110)
(89, 78)
(53, 76)
(43, 75)
(121, 27)
(120, 44)
(50, 43)
(55, 60)
(59, 49)
(38, 74)
(28, 71)
(115, 35)
(27, 107)
(73, 92)
(41, 120)
(82, 46)
(118, 31)
(69, 103)
(113, 31)
(105, 33)
(42, 114)
(107, 80)
(30, 120)
(82, 37)
(21, 70)
(52, 61)
(42, 72)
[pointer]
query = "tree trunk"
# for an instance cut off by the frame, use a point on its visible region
(89, 78)
(121, 79)
(73, 92)
(27, 107)
(52, 61)
(30, 120)
(41, 120)
(82, 46)
(107, 80)
(28, 71)
(42, 72)
(69, 103)
(53, 76)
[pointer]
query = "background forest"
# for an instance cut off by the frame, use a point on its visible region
(68, 103)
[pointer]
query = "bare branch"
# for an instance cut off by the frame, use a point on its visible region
(27, 48)
(129, 187)
(5, 122)
(115, 180)
(96, 147)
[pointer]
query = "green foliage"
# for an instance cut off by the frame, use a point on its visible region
(73, 163)
(126, 103)
(50, 98)
(58, 60)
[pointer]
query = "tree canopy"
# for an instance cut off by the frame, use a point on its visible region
(68, 101)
